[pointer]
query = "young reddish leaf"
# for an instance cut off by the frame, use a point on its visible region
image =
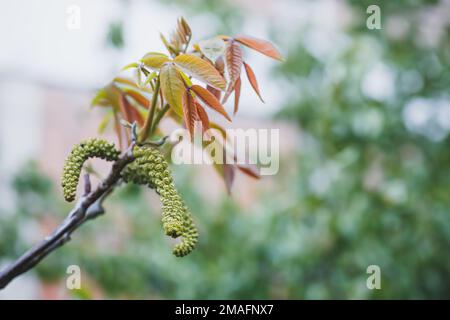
(137, 116)
(217, 93)
(118, 128)
(190, 112)
(220, 65)
(237, 94)
(129, 113)
(262, 46)
(155, 60)
(138, 97)
(203, 116)
(210, 100)
(252, 79)
(233, 57)
(201, 70)
(229, 171)
(172, 87)
(226, 171)
(125, 108)
(250, 170)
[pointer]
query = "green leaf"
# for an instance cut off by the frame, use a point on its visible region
(100, 98)
(150, 77)
(186, 79)
(172, 87)
(130, 66)
(155, 60)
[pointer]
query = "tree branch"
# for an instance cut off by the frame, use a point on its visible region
(87, 208)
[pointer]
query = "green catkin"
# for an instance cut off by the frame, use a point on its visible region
(150, 168)
(80, 153)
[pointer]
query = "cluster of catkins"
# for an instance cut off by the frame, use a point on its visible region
(149, 168)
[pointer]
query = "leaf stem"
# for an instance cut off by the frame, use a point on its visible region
(158, 118)
(146, 129)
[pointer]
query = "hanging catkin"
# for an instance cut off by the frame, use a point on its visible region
(150, 168)
(91, 148)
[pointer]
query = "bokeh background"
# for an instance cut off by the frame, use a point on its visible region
(364, 119)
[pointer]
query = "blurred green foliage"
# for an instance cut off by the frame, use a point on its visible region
(385, 193)
(114, 37)
(368, 191)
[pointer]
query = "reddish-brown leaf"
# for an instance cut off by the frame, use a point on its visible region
(125, 107)
(203, 116)
(129, 113)
(262, 46)
(233, 56)
(190, 112)
(216, 92)
(250, 170)
(138, 97)
(118, 128)
(237, 94)
(229, 171)
(252, 79)
(227, 94)
(220, 65)
(210, 100)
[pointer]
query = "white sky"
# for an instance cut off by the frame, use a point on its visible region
(38, 45)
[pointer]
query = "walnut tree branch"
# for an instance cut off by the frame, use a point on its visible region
(87, 208)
